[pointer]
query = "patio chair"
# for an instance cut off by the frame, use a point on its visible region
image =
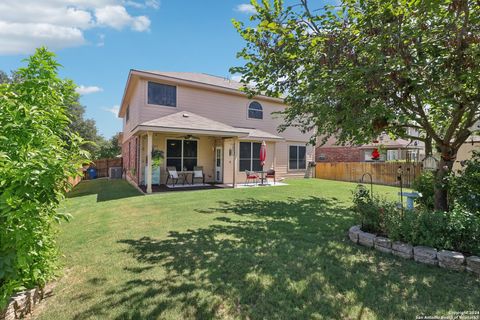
(172, 175)
(251, 176)
(270, 174)
(198, 174)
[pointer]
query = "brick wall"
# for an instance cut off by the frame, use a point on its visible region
(129, 155)
(338, 154)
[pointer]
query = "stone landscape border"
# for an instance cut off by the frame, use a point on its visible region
(22, 304)
(451, 260)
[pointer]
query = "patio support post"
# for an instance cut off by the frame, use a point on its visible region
(235, 162)
(149, 161)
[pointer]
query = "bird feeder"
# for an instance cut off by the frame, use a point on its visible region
(430, 163)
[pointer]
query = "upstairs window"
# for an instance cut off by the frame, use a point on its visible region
(162, 94)
(127, 114)
(255, 110)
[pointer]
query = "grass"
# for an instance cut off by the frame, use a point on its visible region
(253, 253)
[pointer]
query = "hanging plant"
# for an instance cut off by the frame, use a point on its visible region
(157, 157)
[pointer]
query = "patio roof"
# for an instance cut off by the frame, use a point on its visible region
(187, 122)
(255, 134)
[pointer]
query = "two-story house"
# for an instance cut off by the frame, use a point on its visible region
(203, 120)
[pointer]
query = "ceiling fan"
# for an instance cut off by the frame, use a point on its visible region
(190, 137)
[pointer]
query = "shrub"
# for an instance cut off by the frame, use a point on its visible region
(419, 227)
(457, 230)
(463, 230)
(424, 184)
(38, 154)
(465, 185)
(372, 210)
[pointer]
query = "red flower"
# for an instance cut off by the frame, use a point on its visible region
(375, 154)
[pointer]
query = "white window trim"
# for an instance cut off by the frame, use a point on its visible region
(181, 139)
(161, 105)
(248, 109)
(391, 152)
(298, 162)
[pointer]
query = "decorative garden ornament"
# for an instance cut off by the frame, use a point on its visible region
(375, 154)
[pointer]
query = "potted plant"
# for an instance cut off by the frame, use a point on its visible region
(157, 160)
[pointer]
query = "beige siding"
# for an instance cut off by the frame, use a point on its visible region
(222, 107)
(135, 102)
(465, 152)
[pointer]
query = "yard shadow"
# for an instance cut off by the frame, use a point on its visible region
(105, 189)
(271, 259)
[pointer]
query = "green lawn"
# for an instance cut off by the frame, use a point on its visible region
(254, 253)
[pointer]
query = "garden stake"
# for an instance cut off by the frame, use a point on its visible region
(399, 177)
(371, 182)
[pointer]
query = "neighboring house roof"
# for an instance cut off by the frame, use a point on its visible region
(383, 140)
(187, 122)
(386, 142)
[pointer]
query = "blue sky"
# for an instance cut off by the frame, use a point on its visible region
(99, 41)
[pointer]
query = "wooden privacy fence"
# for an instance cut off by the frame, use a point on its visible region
(382, 172)
(104, 165)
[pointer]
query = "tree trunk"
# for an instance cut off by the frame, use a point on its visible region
(441, 185)
(428, 146)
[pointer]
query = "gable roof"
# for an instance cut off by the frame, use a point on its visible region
(202, 78)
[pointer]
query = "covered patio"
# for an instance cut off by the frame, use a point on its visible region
(187, 142)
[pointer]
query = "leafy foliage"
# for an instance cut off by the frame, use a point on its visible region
(110, 148)
(372, 210)
(367, 67)
(38, 153)
(85, 128)
(465, 185)
(424, 184)
(456, 230)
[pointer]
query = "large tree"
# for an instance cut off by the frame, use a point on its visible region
(365, 67)
(110, 148)
(85, 128)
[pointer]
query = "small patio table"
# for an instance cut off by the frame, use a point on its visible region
(184, 175)
(262, 177)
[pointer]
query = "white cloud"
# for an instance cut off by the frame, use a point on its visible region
(83, 90)
(246, 8)
(118, 18)
(114, 110)
(101, 40)
(28, 24)
(154, 4)
(25, 37)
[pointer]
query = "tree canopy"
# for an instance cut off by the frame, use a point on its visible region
(365, 67)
